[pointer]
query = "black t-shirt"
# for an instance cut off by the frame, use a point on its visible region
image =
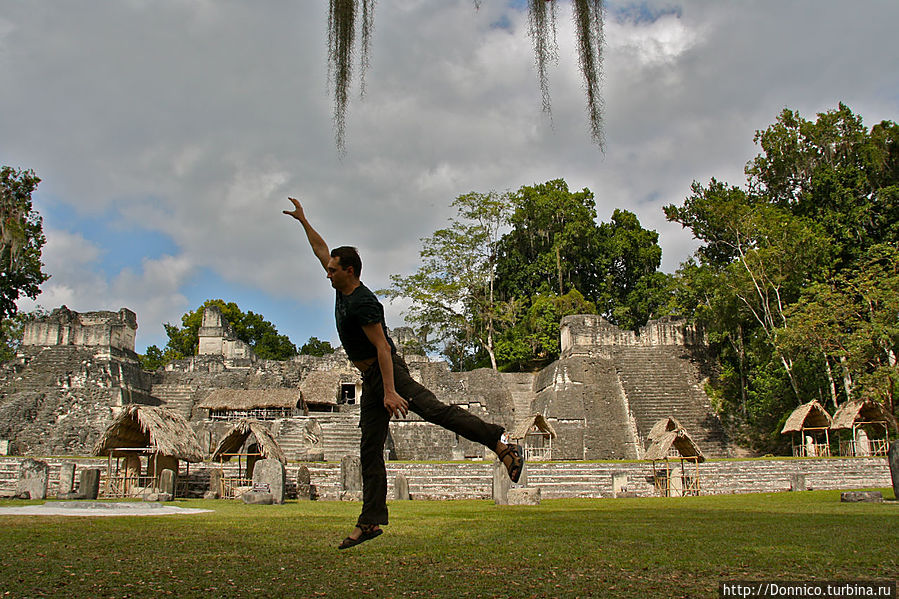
(354, 311)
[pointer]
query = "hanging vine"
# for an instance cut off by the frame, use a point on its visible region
(542, 29)
(341, 45)
(588, 19)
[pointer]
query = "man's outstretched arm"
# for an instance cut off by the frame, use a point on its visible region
(319, 247)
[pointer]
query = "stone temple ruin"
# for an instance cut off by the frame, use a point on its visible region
(76, 371)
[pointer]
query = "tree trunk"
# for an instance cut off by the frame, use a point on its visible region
(830, 379)
(847, 378)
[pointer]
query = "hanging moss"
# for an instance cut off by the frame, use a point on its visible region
(588, 19)
(542, 30)
(341, 46)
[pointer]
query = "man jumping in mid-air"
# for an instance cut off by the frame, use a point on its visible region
(387, 388)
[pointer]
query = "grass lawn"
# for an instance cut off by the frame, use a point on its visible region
(645, 547)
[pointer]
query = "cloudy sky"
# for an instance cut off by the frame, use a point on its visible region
(169, 133)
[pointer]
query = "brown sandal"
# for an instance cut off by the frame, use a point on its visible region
(369, 532)
(517, 465)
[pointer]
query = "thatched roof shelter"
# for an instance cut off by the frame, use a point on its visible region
(237, 436)
(861, 410)
(811, 415)
(321, 387)
(663, 426)
(163, 431)
(680, 440)
(524, 427)
(248, 399)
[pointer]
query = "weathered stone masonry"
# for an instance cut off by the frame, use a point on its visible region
(76, 371)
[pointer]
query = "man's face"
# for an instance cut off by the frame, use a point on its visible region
(338, 275)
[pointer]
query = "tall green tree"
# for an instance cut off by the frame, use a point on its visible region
(452, 292)
(763, 255)
(21, 240)
(791, 279)
(261, 335)
(316, 347)
(834, 171)
(534, 340)
(554, 245)
(852, 321)
(633, 290)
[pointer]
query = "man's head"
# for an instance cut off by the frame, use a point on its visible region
(348, 256)
(343, 268)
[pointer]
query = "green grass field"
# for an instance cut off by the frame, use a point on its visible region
(646, 547)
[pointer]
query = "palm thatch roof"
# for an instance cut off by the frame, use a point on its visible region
(248, 399)
(524, 427)
(321, 387)
(663, 426)
(861, 410)
(680, 440)
(166, 432)
(808, 415)
(237, 436)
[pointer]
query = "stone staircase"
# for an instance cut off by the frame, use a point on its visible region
(48, 368)
(661, 382)
(177, 398)
(340, 434)
(521, 386)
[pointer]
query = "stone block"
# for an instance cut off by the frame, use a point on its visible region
(351, 495)
(271, 472)
(861, 496)
(304, 484)
(501, 483)
(797, 482)
(313, 455)
(158, 496)
(167, 482)
(619, 484)
(524, 496)
(33, 478)
(350, 473)
(257, 498)
(893, 456)
(66, 478)
(215, 482)
(89, 483)
(401, 488)
(211, 495)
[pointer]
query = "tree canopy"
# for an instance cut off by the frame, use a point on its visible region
(261, 335)
(21, 240)
(795, 277)
(493, 286)
(316, 347)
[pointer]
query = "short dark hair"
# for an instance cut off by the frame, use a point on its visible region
(348, 256)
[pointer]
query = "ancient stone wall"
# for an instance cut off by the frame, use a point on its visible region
(87, 329)
(217, 338)
(592, 335)
(472, 480)
(60, 397)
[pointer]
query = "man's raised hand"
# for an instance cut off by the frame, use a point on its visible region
(297, 211)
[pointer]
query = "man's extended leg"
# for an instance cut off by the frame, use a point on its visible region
(462, 422)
